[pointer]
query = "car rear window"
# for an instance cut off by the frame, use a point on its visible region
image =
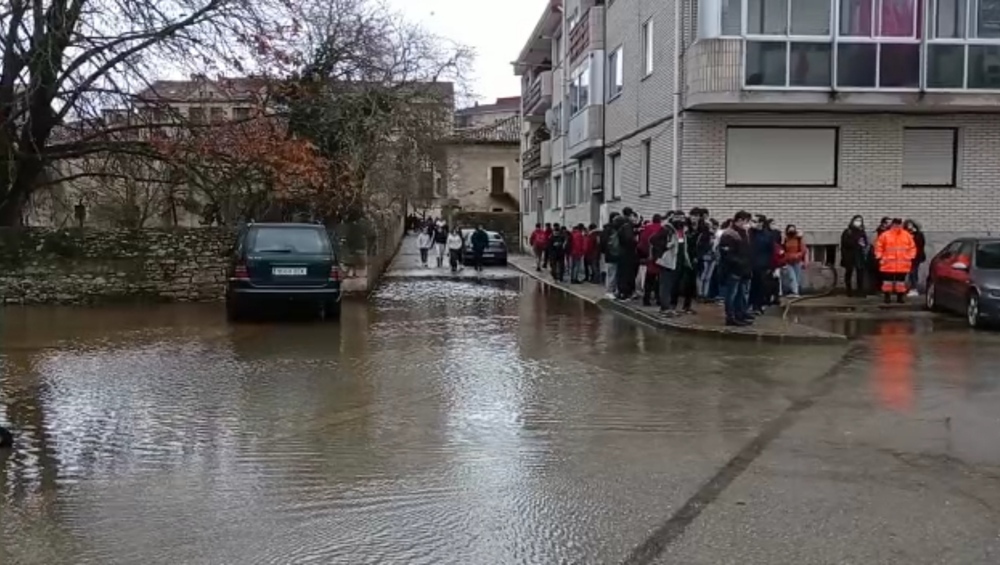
(988, 255)
(289, 240)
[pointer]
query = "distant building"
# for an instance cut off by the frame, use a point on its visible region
(487, 114)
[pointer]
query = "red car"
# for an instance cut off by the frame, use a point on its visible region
(964, 278)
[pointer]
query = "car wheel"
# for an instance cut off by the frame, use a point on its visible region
(972, 311)
(931, 298)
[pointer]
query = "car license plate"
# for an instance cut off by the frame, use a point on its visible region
(287, 272)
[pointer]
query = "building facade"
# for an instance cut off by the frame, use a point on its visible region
(562, 70)
(808, 111)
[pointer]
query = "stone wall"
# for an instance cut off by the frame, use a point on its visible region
(73, 266)
(84, 266)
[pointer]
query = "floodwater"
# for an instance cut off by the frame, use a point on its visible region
(488, 423)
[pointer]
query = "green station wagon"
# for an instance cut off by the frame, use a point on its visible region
(283, 264)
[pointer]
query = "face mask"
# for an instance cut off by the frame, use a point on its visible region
(791, 232)
(857, 223)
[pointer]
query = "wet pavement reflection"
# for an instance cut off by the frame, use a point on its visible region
(487, 422)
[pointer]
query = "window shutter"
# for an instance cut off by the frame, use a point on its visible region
(929, 156)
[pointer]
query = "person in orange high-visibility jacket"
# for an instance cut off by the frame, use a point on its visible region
(895, 251)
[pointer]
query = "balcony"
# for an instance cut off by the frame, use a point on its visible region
(537, 160)
(852, 55)
(538, 97)
(587, 35)
(586, 132)
(738, 74)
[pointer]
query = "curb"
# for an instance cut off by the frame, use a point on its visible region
(722, 332)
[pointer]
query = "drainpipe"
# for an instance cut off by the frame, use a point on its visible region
(675, 191)
(564, 87)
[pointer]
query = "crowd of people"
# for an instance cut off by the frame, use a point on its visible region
(675, 259)
(435, 236)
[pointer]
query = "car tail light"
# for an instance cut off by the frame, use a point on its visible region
(335, 273)
(240, 273)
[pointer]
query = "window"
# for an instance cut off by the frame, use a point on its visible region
(720, 18)
(791, 44)
(525, 201)
(284, 240)
(647, 48)
(241, 113)
(732, 17)
(646, 162)
(196, 114)
(962, 50)
(614, 176)
(554, 118)
(880, 45)
(217, 115)
(761, 156)
(556, 190)
(498, 177)
(615, 80)
(569, 190)
(557, 53)
(930, 156)
(579, 89)
(823, 254)
(584, 184)
(988, 256)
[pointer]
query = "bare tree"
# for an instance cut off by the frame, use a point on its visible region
(65, 61)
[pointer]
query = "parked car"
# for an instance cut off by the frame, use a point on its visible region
(496, 251)
(276, 263)
(964, 278)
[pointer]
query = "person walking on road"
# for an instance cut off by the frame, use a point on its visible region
(479, 240)
(895, 251)
(455, 245)
(424, 243)
(440, 243)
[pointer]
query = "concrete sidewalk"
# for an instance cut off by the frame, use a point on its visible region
(709, 319)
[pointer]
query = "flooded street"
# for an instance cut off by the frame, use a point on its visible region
(492, 422)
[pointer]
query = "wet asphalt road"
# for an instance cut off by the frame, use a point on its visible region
(490, 423)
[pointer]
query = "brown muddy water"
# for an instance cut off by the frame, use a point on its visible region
(443, 422)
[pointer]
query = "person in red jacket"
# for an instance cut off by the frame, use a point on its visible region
(577, 251)
(538, 241)
(651, 282)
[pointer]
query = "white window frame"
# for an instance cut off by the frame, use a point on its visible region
(556, 192)
(613, 176)
(616, 67)
(646, 40)
(583, 185)
(646, 167)
(580, 83)
(569, 189)
(953, 182)
(832, 183)
(967, 41)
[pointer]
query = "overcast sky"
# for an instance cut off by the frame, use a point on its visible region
(496, 30)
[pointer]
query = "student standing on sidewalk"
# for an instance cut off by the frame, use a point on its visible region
(735, 269)
(557, 253)
(538, 241)
(918, 239)
(628, 257)
(795, 259)
(663, 246)
(577, 252)
(650, 286)
(593, 254)
(610, 248)
(424, 243)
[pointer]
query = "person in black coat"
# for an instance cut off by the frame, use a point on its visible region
(921, 242)
(628, 254)
(854, 251)
(735, 268)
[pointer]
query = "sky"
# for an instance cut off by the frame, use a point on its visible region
(495, 30)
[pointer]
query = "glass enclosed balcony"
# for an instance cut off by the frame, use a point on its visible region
(883, 46)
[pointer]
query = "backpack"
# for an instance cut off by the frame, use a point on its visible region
(614, 244)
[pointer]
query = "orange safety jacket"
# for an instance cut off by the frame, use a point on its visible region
(895, 251)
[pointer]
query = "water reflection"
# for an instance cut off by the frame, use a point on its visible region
(444, 422)
(892, 373)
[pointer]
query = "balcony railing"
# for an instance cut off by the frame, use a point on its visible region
(713, 66)
(538, 98)
(587, 35)
(536, 161)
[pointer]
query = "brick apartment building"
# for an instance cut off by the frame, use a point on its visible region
(809, 111)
